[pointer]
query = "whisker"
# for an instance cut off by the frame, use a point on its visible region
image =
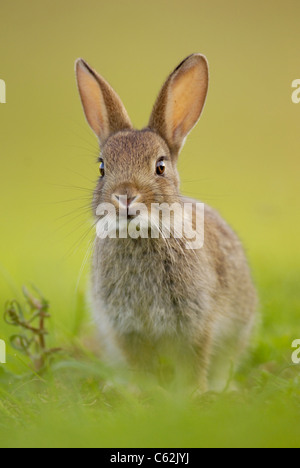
(83, 176)
(75, 246)
(81, 213)
(85, 189)
(69, 200)
(84, 263)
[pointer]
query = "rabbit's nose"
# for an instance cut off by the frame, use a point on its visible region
(124, 200)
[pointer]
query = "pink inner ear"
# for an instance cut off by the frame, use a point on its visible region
(92, 101)
(186, 98)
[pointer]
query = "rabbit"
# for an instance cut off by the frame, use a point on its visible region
(155, 302)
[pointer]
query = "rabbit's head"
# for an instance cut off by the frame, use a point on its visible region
(141, 165)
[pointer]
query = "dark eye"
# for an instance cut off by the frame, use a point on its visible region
(160, 167)
(101, 168)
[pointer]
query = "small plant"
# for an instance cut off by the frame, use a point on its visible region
(30, 317)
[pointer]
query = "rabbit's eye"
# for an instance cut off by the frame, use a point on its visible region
(160, 167)
(101, 168)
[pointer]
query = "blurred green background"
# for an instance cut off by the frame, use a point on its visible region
(242, 158)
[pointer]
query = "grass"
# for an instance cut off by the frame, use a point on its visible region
(78, 402)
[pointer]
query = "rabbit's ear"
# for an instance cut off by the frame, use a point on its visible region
(102, 106)
(180, 102)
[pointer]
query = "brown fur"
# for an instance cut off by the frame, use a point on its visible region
(155, 299)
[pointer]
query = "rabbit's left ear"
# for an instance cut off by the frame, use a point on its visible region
(180, 102)
(103, 108)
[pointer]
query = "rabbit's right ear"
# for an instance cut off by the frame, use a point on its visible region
(180, 102)
(102, 106)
